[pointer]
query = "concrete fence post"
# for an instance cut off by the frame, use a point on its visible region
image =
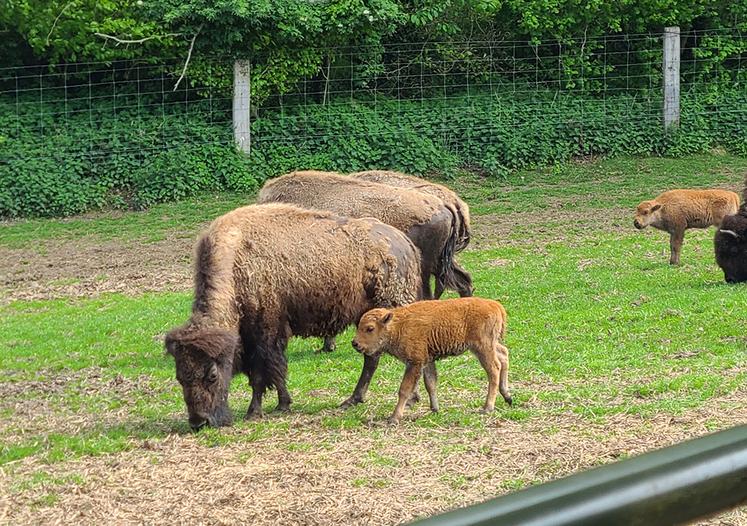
(671, 70)
(242, 101)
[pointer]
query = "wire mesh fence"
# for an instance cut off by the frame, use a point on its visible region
(469, 97)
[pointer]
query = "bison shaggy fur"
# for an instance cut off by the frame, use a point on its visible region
(678, 210)
(447, 195)
(730, 244)
(266, 272)
(426, 219)
(420, 333)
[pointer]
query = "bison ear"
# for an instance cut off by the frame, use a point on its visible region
(656, 207)
(386, 318)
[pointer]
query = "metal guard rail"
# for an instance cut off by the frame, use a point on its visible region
(674, 485)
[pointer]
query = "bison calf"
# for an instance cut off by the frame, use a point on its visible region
(425, 331)
(677, 210)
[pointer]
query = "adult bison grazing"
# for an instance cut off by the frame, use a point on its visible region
(447, 195)
(264, 273)
(731, 244)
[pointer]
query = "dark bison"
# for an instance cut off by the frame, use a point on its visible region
(425, 219)
(731, 245)
(447, 195)
(267, 272)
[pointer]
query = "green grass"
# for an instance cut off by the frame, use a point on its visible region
(599, 325)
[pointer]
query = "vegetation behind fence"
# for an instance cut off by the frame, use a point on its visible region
(80, 136)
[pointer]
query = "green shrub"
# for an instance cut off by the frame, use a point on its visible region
(102, 158)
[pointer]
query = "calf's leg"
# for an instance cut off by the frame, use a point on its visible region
(489, 361)
(676, 237)
(502, 353)
(409, 382)
(430, 377)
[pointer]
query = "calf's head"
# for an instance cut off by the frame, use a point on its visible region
(730, 245)
(646, 213)
(373, 332)
(204, 368)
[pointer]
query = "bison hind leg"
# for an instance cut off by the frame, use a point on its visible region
(329, 345)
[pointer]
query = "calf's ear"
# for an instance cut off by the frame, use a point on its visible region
(386, 318)
(656, 207)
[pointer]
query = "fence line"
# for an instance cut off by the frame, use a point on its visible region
(424, 86)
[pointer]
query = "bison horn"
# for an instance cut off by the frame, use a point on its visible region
(730, 232)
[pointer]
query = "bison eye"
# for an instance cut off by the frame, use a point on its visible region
(212, 376)
(369, 329)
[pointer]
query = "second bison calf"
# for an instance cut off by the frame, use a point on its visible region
(425, 331)
(677, 210)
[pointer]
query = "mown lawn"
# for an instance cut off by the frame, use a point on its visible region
(601, 328)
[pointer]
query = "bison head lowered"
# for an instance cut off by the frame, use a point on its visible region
(731, 247)
(204, 368)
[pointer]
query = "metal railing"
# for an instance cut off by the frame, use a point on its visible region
(674, 485)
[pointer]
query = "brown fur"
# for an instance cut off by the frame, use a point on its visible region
(268, 272)
(677, 210)
(420, 333)
(447, 195)
(424, 218)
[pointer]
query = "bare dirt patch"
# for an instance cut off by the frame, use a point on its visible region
(87, 267)
(36, 406)
(312, 475)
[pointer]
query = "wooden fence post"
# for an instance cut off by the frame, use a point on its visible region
(671, 70)
(242, 100)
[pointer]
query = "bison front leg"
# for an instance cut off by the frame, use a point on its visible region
(259, 386)
(676, 237)
(370, 363)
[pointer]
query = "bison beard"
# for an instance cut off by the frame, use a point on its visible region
(730, 246)
(264, 273)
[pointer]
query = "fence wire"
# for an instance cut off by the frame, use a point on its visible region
(454, 92)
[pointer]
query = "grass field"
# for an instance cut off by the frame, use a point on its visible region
(614, 353)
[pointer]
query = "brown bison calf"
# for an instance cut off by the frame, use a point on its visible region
(423, 332)
(677, 210)
(266, 273)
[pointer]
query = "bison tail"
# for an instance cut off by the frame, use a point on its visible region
(449, 275)
(463, 229)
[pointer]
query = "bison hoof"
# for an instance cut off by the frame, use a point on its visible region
(414, 399)
(392, 421)
(283, 408)
(253, 415)
(487, 410)
(350, 402)
(434, 409)
(324, 349)
(509, 400)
